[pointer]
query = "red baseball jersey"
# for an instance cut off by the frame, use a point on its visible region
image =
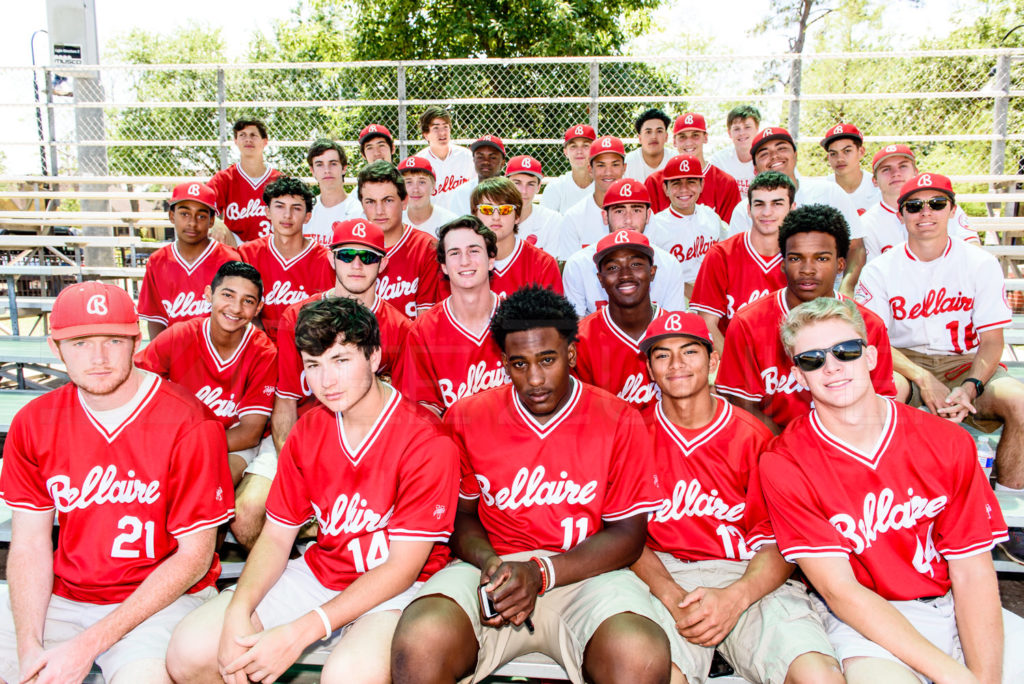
(123, 493)
(286, 281)
(756, 367)
(732, 276)
(444, 362)
(609, 358)
(240, 385)
(713, 507)
(411, 282)
(897, 513)
(720, 192)
(527, 265)
(291, 377)
(551, 486)
(172, 289)
(399, 484)
(240, 200)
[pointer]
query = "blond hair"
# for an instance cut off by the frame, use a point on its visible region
(816, 311)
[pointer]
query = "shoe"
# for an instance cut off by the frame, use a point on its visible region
(1014, 546)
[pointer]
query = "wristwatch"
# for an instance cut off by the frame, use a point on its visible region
(979, 386)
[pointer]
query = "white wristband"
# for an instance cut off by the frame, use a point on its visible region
(327, 623)
(551, 571)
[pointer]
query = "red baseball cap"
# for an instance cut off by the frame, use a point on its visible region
(690, 121)
(93, 308)
(840, 131)
(622, 238)
(416, 163)
(898, 150)
(194, 191)
(489, 141)
(580, 131)
(626, 191)
(524, 163)
(375, 131)
(766, 134)
(607, 143)
(683, 166)
(926, 181)
(359, 232)
(673, 324)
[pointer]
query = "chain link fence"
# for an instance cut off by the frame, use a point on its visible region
(960, 110)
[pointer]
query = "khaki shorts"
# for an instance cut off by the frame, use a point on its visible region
(769, 635)
(263, 461)
(565, 618)
(66, 619)
(951, 372)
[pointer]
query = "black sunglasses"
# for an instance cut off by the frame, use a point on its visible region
(347, 256)
(913, 206)
(813, 359)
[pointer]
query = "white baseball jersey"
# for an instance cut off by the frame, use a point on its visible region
(561, 193)
(583, 225)
(687, 238)
(438, 217)
(543, 227)
(319, 226)
(936, 307)
(584, 291)
(451, 172)
(883, 229)
(810, 191)
(458, 199)
(727, 160)
(637, 168)
(865, 196)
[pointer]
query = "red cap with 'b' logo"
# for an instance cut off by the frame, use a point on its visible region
(683, 166)
(196, 192)
(674, 324)
(620, 239)
(690, 121)
(524, 163)
(926, 181)
(93, 308)
(580, 131)
(626, 191)
(416, 163)
(607, 143)
(358, 232)
(840, 131)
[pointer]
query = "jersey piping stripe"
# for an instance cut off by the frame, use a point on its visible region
(991, 326)
(735, 392)
(815, 554)
(707, 309)
(635, 509)
(689, 446)
(478, 340)
(187, 267)
(531, 422)
(621, 334)
(284, 523)
(203, 524)
(436, 537)
(974, 549)
(356, 455)
(407, 231)
(765, 266)
(251, 410)
(512, 258)
(286, 264)
(254, 183)
(223, 364)
(871, 460)
(111, 436)
(26, 506)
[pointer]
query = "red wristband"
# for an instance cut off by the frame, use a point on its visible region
(543, 575)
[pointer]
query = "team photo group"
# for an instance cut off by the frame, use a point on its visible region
(666, 405)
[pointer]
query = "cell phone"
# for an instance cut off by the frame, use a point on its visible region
(487, 604)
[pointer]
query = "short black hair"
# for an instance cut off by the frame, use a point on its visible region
(380, 171)
(468, 222)
(651, 114)
(321, 145)
(238, 269)
(245, 123)
(341, 320)
(771, 180)
(534, 306)
(746, 111)
(816, 218)
(286, 186)
(433, 112)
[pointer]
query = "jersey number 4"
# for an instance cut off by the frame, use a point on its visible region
(135, 529)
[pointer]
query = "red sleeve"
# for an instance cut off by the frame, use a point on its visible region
(150, 307)
(710, 286)
(728, 197)
(220, 184)
(427, 494)
(738, 373)
(551, 277)
(469, 488)
(21, 483)
(755, 513)
(656, 190)
(394, 347)
(632, 478)
(419, 381)
(289, 361)
(201, 494)
(878, 336)
(288, 502)
(156, 356)
(584, 367)
(972, 521)
(428, 292)
(260, 386)
(801, 526)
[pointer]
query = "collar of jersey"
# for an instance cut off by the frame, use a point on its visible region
(255, 183)
(510, 259)
(945, 252)
(355, 456)
(765, 266)
(190, 268)
(288, 263)
(464, 331)
(546, 429)
(620, 333)
(211, 349)
(688, 446)
(872, 459)
(111, 435)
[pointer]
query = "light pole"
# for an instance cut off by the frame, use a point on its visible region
(39, 107)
